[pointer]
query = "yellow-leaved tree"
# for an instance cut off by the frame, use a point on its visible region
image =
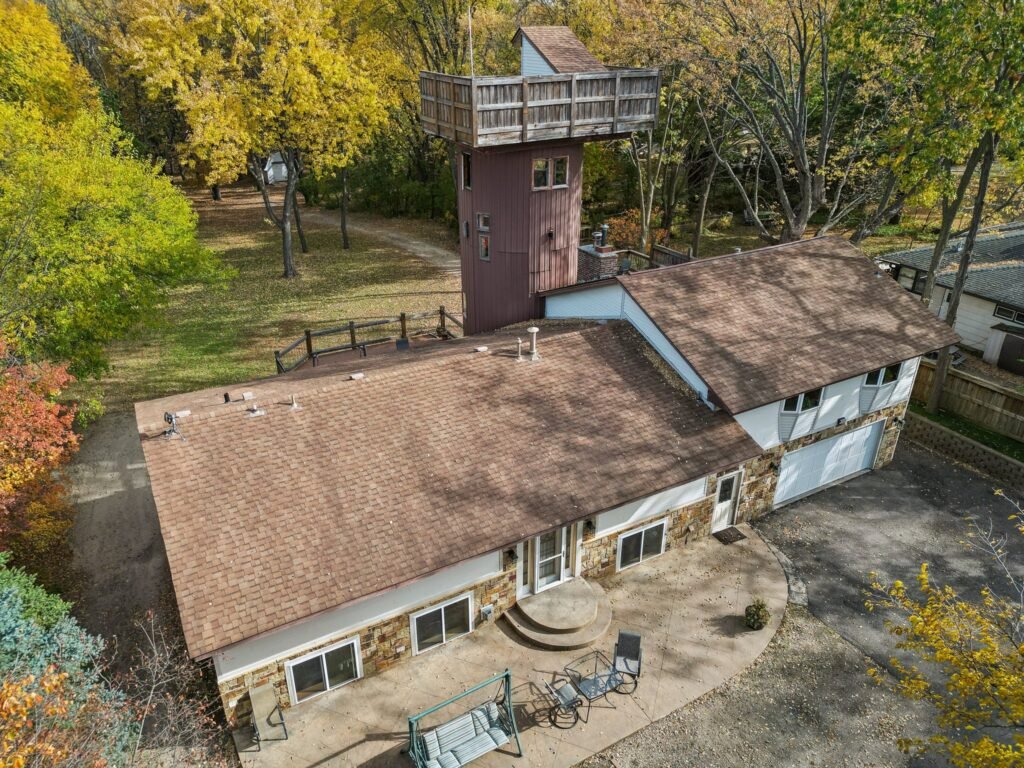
(973, 654)
(303, 78)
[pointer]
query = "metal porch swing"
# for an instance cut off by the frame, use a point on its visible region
(466, 737)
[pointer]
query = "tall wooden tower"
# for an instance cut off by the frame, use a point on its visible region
(519, 155)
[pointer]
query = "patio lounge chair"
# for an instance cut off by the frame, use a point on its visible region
(566, 703)
(628, 660)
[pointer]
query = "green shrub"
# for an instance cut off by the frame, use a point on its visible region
(37, 604)
(757, 615)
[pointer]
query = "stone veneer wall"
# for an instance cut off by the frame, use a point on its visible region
(758, 492)
(381, 645)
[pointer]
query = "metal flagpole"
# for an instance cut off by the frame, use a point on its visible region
(469, 12)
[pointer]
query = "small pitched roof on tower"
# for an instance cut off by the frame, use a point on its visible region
(561, 49)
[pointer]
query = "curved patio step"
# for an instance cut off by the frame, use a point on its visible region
(569, 607)
(563, 641)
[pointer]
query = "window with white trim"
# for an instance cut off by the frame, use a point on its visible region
(805, 401)
(324, 670)
(882, 376)
(541, 173)
(561, 175)
(551, 173)
(437, 625)
(1009, 313)
(636, 546)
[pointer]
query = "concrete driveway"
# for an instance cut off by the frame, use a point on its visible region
(890, 521)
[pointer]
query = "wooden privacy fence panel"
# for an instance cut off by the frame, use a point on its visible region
(491, 111)
(997, 408)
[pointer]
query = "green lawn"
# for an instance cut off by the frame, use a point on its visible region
(206, 336)
(1005, 445)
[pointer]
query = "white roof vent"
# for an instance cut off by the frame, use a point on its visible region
(356, 376)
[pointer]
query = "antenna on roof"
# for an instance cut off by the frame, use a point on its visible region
(171, 420)
(469, 13)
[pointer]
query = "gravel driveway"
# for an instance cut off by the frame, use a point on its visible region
(808, 701)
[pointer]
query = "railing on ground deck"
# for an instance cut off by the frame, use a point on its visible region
(403, 327)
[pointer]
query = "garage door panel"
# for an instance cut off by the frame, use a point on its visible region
(809, 469)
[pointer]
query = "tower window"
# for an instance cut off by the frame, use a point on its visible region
(483, 222)
(484, 246)
(467, 170)
(541, 173)
(561, 172)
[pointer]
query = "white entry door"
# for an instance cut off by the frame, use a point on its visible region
(550, 559)
(810, 469)
(725, 502)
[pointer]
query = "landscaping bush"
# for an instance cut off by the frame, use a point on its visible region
(757, 615)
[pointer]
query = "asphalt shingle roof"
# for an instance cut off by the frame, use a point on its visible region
(422, 464)
(767, 324)
(562, 49)
(997, 266)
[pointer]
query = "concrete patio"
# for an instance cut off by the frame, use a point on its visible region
(687, 604)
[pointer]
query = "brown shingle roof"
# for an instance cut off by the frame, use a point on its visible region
(562, 49)
(273, 518)
(767, 324)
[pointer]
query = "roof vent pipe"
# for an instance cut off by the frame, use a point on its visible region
(604, 234)
(534, 354)
(519, 349)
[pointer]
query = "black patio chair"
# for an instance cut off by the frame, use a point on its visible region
(566, 703)
(629, 658)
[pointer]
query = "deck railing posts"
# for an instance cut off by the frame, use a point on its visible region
(401, 319)
(441, 321)
(277, 361)
(309, 346)
(352, 332)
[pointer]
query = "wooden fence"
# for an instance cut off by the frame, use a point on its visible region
(353, 335)
(983, 402)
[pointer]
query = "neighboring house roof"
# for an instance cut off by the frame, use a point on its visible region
(433, 458)
(561, 49)
(997, 265)
(767, 324)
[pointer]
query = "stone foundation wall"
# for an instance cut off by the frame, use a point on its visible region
(381, 645)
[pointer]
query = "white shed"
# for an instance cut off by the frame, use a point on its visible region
(275, 169)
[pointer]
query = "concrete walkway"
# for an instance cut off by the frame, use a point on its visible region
(687, 604)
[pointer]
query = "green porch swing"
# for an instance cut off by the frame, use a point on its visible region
(461, 740)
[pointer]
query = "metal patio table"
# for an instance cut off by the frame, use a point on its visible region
(593, 675)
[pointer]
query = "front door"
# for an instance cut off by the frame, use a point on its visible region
(550, 559)
(725, 502)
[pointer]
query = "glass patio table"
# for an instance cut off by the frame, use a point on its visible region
(593, 675)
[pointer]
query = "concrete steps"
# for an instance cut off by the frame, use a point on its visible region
(570, 616)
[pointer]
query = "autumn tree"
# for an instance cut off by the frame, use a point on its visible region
(971, 651)
(254, 77)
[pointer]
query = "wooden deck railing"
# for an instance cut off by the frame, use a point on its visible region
(404, 326)
(491, 111)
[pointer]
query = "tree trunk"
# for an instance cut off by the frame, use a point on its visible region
(257, 176)
(989, 143)
(298, 223)
(702, 208)
(215, 191)
(286, 218)
(950, 210)
(344, 209)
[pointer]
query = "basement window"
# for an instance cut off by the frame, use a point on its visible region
(882, 376)
(805, 401)
(636, 546)
(324, 670)
(439, 624)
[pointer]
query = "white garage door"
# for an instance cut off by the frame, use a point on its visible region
(809, 469)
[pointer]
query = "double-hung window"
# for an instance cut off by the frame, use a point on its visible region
(882, 376)
(541, 173)
(636, 546)
(550, 173)
(440, 623)
(805, 401)
(324, 670)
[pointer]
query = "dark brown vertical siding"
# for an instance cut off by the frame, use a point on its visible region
(523, 259)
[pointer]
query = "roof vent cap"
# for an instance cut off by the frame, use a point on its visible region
(357, 376)
(533, 330)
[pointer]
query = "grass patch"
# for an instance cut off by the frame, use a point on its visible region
(208, 336)
(1004, 445)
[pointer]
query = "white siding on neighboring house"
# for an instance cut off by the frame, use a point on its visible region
(532, 63)
(974, 320)
(611, 302)
(602, 302)
(652, 506)
(338, 622)
(841, 400)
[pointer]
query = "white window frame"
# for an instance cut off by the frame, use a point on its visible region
(618, 543)
(353, 641)
(553, 166)
(1016, 316)
(480, 237)
(881, 375)
(480, 225)
(444, 632)
(533, 171)
(800, 402)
